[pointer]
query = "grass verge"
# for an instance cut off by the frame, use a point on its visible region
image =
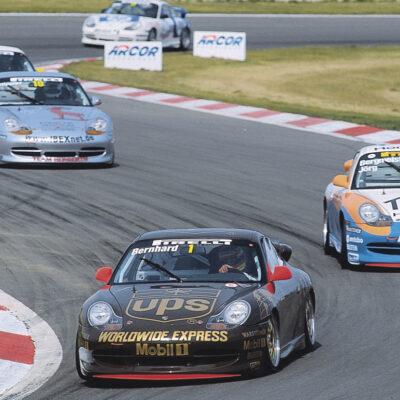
(216, 6)
(356, 84)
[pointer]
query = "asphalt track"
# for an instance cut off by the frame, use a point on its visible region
(177, 168)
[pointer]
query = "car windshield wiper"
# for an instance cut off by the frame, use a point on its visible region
(13, 90)
(393, 165)
(161, 268)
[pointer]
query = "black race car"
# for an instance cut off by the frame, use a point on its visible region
(193, 304)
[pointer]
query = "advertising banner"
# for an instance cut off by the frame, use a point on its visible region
(228, 45)
(133, 55)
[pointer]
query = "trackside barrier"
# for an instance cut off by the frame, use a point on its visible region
(227, 45)
(133, 55)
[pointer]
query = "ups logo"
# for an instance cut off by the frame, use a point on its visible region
(168, 308)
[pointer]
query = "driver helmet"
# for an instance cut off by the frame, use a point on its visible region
(234, 256)
(53, 90)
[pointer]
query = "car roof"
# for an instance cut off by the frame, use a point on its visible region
(35, 74)
(204, 233)
(10, 48)
(158, 2)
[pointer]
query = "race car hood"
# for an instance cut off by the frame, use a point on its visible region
(116, 21)
(387, 199)
(50, 120)
(165, 304)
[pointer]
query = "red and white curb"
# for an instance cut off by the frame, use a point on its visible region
(322, 126)
(30, 352)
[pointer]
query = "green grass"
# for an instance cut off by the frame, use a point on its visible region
(217, 6)
(356, 84)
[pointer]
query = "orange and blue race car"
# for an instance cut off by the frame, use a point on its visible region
(362, 209)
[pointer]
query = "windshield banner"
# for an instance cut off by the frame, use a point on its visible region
(133, 55)
(228, 45)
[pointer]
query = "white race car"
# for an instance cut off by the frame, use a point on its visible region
(139, 21)
(14, 59)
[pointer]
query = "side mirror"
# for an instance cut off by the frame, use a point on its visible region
(348, 164)
(341, 180)
(281, 273)
(103, 274)
(284, 250)
(96, 101)
(103, 10)
(163, 16)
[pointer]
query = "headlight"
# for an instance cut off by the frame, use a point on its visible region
(97, 127)
(371, 215)
(237, 312)
(14, 126)
(90, 22)
(233, 315)
(133, 26)
(99, 313)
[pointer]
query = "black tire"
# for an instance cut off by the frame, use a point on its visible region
(309, 324)
(273, 350)
(343, 252)
(185, 40)
(327, 248)
(152, 35)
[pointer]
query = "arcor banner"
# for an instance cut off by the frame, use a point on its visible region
(228, 45)
(133, 55)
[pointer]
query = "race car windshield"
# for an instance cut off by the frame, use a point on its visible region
(204, 260)
(378, 170)
(42, 91)
(10, 61)
(139, 10)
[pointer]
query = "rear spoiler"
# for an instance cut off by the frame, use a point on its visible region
(181, 11)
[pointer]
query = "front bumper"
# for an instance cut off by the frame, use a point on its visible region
(99, 37)
(178, 360)
(371, 250)
(58, 148)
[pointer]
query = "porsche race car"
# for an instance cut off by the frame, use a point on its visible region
(362, 209)
(195, 304)
(48, 118)
(14, 59)
(139, 21)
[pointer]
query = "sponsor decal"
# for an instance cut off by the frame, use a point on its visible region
(259, 332)
(255, 364)
(133, 55)
(59, 159)
(32, 79)
(354, 239)
(254, 354)
(352, 229)
(61, 114)
(393, 203)
(390, 154)
(162, 336)
(162, 350)
(168, 307)
(255, 344)
(173, 242)
(354, 258)
(264, 303)
(231, 285)
(192, 321)
(372, 155)
(352, 247)
(6, 53)
(220, 40)
(59, 139)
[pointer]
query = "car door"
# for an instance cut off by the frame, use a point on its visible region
(288, 297)
(168, 27)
